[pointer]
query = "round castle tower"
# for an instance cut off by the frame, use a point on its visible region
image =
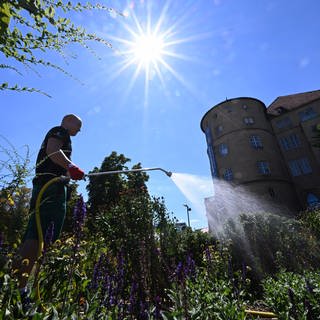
(242, 150)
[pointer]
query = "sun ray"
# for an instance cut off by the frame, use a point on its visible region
(146, 87)
(177, 55)
(123, 67)
(137, 23)
(162, 81)
(161, 18)
(176, 75)
(132, 82)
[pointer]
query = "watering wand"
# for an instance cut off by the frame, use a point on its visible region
(168, 173)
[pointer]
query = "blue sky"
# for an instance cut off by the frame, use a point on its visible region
(218, 49)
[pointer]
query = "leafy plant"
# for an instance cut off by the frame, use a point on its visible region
(293, 295)
(14, 193)
(269, 243)
(29, 28)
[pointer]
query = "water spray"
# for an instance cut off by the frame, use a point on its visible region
(168, 173)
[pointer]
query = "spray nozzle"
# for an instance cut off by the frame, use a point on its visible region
(168, 173)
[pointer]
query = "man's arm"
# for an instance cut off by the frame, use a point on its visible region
(55, 153)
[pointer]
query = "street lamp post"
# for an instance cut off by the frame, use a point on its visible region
(188, 210)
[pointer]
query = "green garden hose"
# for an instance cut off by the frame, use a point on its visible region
(261, 313)
(39, 229)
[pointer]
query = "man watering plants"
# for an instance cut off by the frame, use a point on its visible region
(54, 160)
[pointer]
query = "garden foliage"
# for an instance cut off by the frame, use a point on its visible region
(121, 257)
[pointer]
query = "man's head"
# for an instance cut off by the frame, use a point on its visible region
(72, 123)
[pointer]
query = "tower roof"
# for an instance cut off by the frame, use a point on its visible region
(292, 101)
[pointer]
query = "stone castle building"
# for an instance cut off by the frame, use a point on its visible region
(267, 151)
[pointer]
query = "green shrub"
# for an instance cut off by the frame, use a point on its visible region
(269, 243)
(294, 296)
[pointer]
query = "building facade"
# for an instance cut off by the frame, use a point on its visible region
(267, 152)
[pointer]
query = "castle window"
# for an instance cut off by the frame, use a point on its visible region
(208, 135)
(245, 107)
(294, 168)
(212, 160)
(223, 149)
(305, 165)
(307, 114)
(263, 167)
(228, 174)
(299, 167)
(219, 129)
(256, 142)
(313, 201)
(290, 142)
(248, 120)
(284, 123)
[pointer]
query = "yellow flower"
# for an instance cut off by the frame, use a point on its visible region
(25, 262)
(10, 201)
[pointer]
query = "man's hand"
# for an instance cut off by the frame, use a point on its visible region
(75, 172)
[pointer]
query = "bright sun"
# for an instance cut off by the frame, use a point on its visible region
(147, 49)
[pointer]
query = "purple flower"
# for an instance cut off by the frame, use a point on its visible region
(132, 299)
(189, 269)
(1, 240)
(157, 311)
(143, 314)
(208, 255)
(120, 277)
(97, 274)
(79, 215)
(179, 272)
(111, 298)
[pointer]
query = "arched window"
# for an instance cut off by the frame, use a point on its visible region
(228, 174)
(313, 201)
(223, 149)
(256, 142)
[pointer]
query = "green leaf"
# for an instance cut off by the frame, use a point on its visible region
(4, 17)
